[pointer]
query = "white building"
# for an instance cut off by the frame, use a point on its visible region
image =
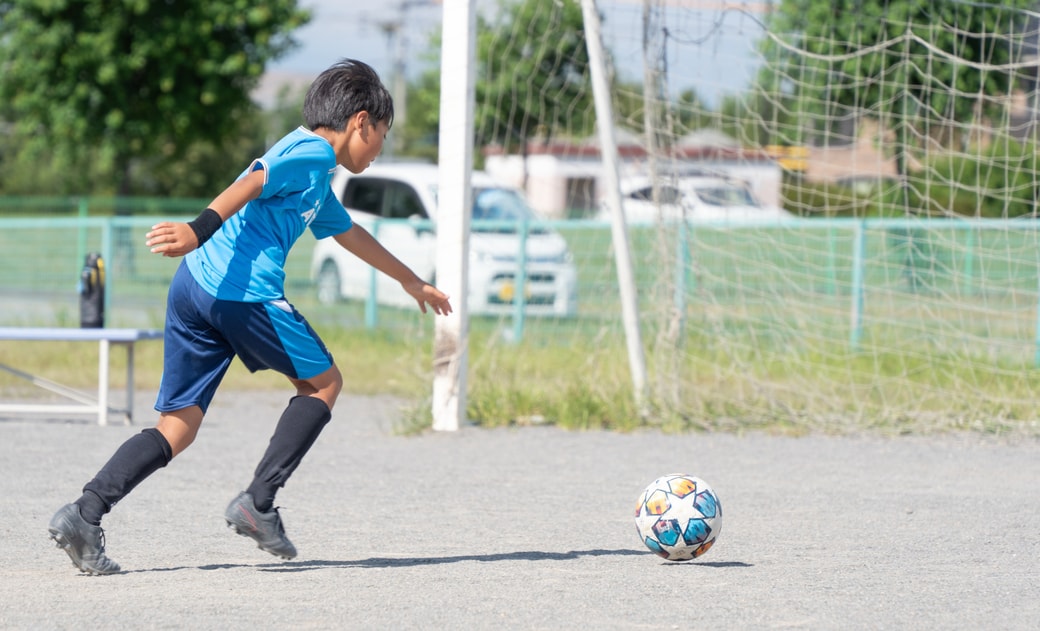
(563, 180)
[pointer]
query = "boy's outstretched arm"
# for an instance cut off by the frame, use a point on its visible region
(171, 238)
(363, 245)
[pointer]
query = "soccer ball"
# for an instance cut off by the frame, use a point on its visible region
(678, 517)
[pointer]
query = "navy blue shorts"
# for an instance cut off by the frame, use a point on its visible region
(204, 334)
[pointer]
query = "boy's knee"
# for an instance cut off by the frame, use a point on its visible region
(325, 386)
(332, 382)
(337, 379)
(336, 386)
(179, 428)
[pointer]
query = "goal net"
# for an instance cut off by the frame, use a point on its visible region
(831, 204)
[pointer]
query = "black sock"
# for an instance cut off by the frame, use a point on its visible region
(136, 459)
(301, 422)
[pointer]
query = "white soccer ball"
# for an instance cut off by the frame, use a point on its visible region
(678, 517)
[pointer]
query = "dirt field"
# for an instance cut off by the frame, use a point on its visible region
(528, 528)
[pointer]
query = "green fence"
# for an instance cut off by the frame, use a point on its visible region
(807, 319)
(853, 279)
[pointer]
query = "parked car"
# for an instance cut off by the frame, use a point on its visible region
(397, 202)
(693, 198)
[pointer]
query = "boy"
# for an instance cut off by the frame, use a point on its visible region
(227, 299)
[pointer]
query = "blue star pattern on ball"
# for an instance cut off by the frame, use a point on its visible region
(678, 517)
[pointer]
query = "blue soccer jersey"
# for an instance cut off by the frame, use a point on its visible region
(245, 259)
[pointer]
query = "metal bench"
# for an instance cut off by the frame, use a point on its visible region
(87, 404)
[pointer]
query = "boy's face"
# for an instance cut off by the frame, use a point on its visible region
(365, 145)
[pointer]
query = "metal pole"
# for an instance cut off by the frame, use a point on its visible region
(859, 246)
(608, 146)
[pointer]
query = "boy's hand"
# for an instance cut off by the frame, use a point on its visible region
(171, 239)
(426, 294)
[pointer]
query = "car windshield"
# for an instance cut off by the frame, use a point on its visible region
(665, 194)
(725, 196)
(499, 204)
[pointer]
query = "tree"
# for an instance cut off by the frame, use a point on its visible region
(421, 130)
(532, 80)
(533, 76)
(919, 66)
(111, 81)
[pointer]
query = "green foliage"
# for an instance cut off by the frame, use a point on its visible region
(829, 200)
(203, 168)
(763, 116)
(629, 106)
(997, 182)
(108, 82)
(532, 80)
(533, 75)
(917, 65)
(693, 113)
(689, 111)
(422, 121)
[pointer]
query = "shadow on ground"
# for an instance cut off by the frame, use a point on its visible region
(391, 562)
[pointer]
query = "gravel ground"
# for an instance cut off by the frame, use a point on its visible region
(528, 528)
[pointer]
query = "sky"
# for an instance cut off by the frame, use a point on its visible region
(711, 46)
(353, 28)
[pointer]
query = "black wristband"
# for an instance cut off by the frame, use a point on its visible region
(205, 225)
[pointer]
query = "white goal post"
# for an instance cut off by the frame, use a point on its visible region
(451, 334)
(618, 231)
(458, 60)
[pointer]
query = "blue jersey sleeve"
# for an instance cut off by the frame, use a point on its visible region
(332, 219)
(289, 175)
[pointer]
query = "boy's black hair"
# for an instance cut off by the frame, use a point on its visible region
(344, 89)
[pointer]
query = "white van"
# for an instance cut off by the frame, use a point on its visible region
(406, 193)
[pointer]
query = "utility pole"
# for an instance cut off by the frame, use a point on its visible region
(395, 30)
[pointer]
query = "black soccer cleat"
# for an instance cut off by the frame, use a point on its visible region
(83, 542)
(264, 528)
